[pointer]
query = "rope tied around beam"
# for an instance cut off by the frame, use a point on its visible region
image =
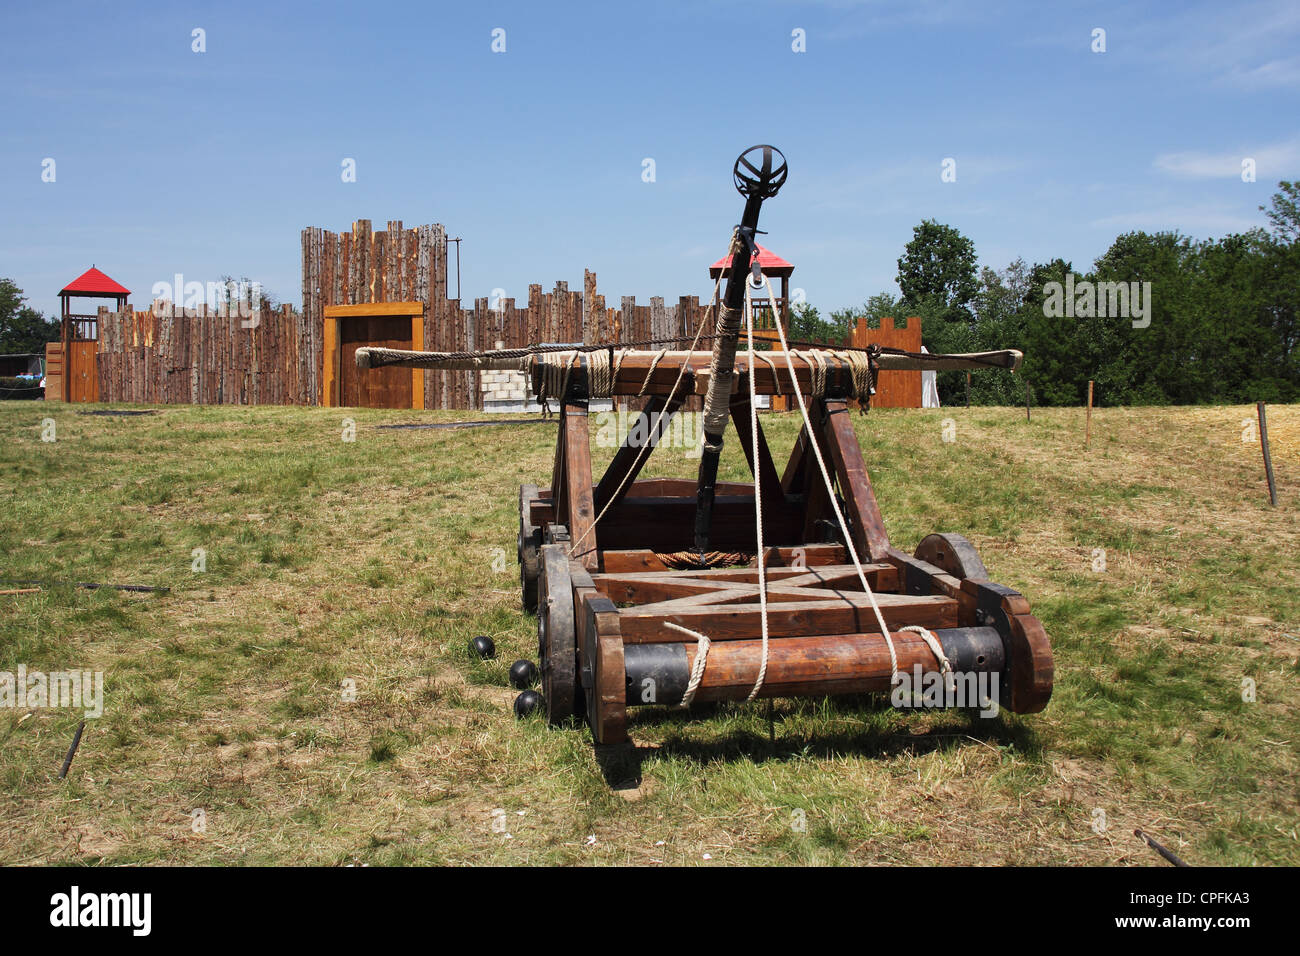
(860, 363)
(932, 641)
(697, 669)
(654, 364)
(776, 378)
(553, 380)
(553, 376)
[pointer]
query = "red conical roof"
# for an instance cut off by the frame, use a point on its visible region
(94, 282)
(768, 260)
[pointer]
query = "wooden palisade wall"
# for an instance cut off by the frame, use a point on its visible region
(225, 359)
(208, 358)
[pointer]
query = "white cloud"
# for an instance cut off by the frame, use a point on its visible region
(1274, 73)
(1278, 161)
(1187, 219)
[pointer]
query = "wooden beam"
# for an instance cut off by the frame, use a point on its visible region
(375, 309)
(628, 460)
(864, 518)
(812, 555)
(767, 478)
(581, 509)
(850, 613)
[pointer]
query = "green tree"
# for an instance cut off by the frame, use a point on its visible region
(1284, 212)
(804, 323)
(22, 328)
(936, 272)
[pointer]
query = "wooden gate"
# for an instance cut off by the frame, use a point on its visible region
(390, 325)
(83, 372)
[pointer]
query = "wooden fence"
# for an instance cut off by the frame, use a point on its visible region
(893, 389)
(410, 265)
(208, 358)
(212, 358)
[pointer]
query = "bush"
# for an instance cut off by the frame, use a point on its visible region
(20, 388)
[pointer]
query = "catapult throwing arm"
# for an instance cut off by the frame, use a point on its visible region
(373, 357)
(1006, 358)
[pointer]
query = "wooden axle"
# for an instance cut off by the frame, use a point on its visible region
(812, 666)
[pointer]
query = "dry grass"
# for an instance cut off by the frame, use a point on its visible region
(376, 561)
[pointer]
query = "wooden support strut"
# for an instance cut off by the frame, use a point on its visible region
(571, 482)
(629, 460)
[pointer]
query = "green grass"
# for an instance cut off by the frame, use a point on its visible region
(375, 561)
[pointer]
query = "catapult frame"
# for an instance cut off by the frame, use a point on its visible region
(633, 581)
(605, 593)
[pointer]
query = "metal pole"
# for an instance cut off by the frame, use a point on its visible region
(1169, 855)
(72, 751)
(764, 182)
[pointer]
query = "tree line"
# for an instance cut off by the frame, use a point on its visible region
(1159, 319)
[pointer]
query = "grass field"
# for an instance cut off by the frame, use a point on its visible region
(376, 560)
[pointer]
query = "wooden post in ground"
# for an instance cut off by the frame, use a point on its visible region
(968, 389)
(1026, 399)
(1087, 436)
(1268, 461)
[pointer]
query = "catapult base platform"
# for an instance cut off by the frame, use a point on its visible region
(606, 592)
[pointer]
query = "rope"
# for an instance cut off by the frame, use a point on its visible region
(758, 494)
(554, 378)
(830, 492)
(654, 364)
(701, 658)
(694, 561)
(722, 366)
(601, 375)
(776, 378)
(945, 665)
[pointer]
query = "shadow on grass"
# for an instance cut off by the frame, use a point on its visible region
(621, 764)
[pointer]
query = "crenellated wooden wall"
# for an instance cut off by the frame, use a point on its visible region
(399, 264)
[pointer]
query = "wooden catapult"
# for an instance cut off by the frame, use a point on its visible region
(657, 591)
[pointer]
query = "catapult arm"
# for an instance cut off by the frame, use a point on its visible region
(638, 361)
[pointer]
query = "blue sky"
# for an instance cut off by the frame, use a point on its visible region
(211, 163)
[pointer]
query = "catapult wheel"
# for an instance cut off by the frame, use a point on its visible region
(954, 555)
(528, 547)
(557, 648)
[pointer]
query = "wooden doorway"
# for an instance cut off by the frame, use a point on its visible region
(391, 325)
(82, 370)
